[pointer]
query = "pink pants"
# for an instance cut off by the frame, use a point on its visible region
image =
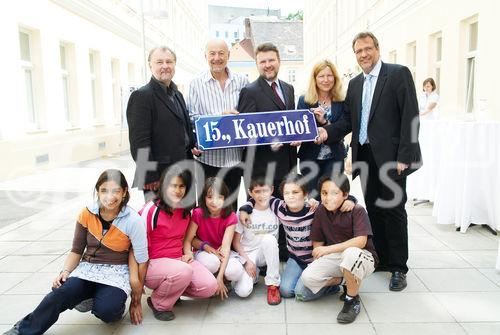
(170, 278)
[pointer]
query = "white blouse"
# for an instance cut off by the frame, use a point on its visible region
(424, 100)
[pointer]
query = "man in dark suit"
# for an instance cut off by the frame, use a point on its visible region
(268, 93)
(158, 122)
(381, 110)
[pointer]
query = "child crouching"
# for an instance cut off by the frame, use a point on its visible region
(343, 246)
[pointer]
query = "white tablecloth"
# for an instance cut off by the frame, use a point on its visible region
(460, 172)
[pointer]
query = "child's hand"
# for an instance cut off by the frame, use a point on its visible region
(60, 279)
(347, 206)
(320, 252)
(135, 311)
(313, 204)
(221, 288)
(137, 291)
(188, 258)
(245, 219)
(216, 252)
(251, 269)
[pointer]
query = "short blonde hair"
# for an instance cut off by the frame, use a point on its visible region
(311, 96)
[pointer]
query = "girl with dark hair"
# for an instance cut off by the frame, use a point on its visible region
(214, 225)
(171, 273)
(97, 269)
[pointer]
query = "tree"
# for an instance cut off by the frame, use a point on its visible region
(298, 16)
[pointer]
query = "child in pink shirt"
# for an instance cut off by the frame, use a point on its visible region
(213, 224)
(170, 273)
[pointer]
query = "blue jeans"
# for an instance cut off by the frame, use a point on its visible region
(292, 286)
(108, 305)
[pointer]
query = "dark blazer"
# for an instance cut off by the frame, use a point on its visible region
(258, 96)
(155, 123)
(393, 123)
(308, 150)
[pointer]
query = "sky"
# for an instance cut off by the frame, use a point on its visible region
(286, 6)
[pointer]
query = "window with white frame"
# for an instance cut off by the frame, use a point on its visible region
(95, 84)
(68, 82)
(411, 58)
(116, 89)
(470, 65)
(438, 45)
(28, 69)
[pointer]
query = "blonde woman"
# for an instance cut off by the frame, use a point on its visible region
(324, 97)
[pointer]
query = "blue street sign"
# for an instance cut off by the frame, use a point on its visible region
(241, 130)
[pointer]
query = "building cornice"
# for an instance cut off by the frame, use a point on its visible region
(89, 11)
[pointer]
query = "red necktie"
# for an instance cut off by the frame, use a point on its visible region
(274, 86)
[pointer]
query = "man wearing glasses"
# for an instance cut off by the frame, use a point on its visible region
(381, 110)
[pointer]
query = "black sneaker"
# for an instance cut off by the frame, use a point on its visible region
(14, 330)
(398, 281)
(350, 310)
(160, 315)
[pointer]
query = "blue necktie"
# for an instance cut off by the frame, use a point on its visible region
(365, 109)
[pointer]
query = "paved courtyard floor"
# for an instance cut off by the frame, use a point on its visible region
(453, 287)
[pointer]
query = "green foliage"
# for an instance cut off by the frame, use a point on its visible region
(298, 16)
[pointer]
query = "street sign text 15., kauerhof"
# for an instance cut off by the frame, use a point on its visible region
(241, 130)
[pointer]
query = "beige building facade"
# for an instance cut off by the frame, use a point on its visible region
(68, 67)
(451, 41)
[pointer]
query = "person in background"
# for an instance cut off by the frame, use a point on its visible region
(428, 100)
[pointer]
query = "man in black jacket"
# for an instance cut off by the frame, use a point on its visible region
(381, 110)
(268, 93)
(158, 121)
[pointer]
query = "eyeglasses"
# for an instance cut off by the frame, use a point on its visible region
(366, 50)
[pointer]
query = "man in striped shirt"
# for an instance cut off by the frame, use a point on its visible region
(216, 92)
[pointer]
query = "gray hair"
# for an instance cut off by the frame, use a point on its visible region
(162, 48)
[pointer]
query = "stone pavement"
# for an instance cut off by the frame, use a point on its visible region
(452, 285)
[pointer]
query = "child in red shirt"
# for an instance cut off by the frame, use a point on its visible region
(171, 273)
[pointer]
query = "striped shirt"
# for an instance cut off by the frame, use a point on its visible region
(206, 97)
(297, 227)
